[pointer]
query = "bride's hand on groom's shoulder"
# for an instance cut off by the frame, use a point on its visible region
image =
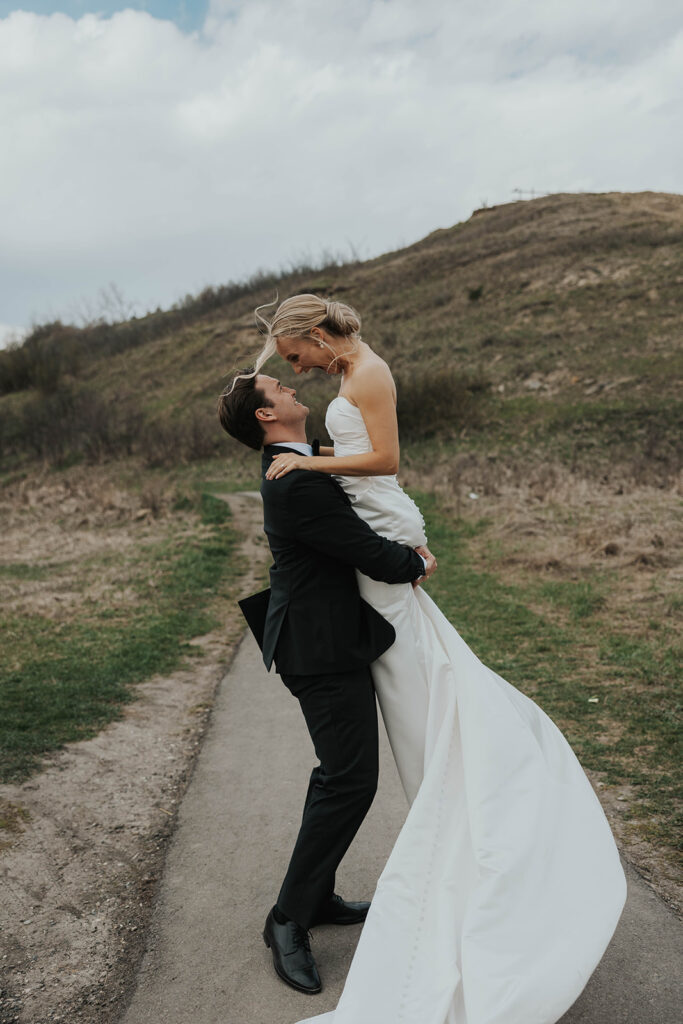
(285, 463)
(430, 563)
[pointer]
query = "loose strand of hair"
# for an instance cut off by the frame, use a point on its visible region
(266, 352)
(261, 320)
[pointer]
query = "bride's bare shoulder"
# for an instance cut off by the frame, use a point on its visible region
(369, 373)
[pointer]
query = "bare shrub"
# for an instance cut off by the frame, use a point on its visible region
(173, 438)
(431, 403)
(74, 424)
(159, 443)
(70, 423)
(153, 497)
(201, 437)
(40, 360)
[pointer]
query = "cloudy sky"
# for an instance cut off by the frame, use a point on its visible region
(167, 145)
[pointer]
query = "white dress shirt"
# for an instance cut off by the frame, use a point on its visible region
(298, 446)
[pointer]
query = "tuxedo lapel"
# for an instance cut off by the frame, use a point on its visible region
(268, 451)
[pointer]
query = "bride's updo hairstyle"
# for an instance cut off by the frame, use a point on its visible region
(297, 316)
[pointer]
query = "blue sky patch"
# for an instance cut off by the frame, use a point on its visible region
(187, 14)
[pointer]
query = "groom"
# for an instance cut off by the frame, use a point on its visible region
(322, 636)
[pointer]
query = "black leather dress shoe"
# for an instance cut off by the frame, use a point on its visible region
(339, 911)
(292, 957)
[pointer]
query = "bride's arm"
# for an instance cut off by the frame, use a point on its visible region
(373, 394)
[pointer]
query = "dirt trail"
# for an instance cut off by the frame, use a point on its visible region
(80, 874)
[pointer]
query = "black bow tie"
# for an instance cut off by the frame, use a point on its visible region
(315, 445)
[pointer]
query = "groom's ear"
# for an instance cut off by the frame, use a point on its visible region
(266, 414)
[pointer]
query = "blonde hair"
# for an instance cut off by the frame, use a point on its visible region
(298, 315)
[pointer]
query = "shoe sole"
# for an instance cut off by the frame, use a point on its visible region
(288, 981)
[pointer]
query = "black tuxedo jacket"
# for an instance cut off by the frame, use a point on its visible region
(312, 619)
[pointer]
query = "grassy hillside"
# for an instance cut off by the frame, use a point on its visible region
(552, 323)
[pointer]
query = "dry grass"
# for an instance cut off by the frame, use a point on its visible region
(104, 580)
(546, 522)
(71, 542)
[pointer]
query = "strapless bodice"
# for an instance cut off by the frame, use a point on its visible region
(346, 427)
(379, 500)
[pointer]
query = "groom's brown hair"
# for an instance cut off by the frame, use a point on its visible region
(237, 409)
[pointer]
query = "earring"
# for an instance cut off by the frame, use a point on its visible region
(320, 344)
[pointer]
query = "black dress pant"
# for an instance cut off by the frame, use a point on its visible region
(341, 715)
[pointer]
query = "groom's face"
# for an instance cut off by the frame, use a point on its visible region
(284, 407)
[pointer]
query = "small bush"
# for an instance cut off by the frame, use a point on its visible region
(75, 423)
(70, 424)
(171, 439)
(432, 403)
(40, 360)
(159, 443)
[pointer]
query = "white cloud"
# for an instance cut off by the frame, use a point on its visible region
(163, 161)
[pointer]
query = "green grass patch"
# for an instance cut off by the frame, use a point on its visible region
(25, 571)
(602, 421)
(632, 734)
(63, 681)
(580, 599)
(640, 659)
(495, 621)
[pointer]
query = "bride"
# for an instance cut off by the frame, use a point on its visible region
(504, 886)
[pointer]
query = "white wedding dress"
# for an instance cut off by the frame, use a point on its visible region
(504, 886)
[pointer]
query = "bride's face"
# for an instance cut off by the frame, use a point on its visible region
(305, 354)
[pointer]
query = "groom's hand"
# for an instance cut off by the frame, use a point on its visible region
(430, 564)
